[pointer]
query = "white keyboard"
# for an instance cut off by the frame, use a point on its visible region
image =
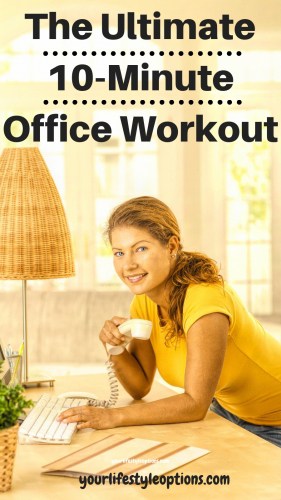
(41, 426)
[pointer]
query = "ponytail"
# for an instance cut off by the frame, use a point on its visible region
(190, 268)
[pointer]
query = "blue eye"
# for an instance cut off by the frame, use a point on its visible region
(141, 249)
(118, 254)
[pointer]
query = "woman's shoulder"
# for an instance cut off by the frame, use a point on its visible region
(206, 298)
(212, 291)
(210, 295)
(208, 289)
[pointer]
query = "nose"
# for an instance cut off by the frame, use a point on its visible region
(130, 261)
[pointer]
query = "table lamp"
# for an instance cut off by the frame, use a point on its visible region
(34, 236)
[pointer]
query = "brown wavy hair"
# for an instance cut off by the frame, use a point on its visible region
(156, 217)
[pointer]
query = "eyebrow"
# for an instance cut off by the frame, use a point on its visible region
(135, 244)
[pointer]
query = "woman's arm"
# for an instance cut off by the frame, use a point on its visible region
(206, 344)
(135, 368)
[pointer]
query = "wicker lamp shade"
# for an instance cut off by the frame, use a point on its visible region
(34, 236)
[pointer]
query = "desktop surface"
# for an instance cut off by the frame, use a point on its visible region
(252, 464)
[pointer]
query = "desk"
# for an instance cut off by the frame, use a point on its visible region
(252, 463)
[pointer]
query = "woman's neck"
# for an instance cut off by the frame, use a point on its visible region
(163, 312)
(161, 299)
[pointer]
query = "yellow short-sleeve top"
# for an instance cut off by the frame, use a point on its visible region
(250, 382)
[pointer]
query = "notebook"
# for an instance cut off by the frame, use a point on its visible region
(122, 453)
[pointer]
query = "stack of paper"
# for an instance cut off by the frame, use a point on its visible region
(120, 453)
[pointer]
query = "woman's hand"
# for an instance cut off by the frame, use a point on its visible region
(90, 417)
(110, 334)
(135, 367)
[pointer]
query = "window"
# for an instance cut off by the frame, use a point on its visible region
(121, 170)
(252, 220)
(22, 61)
(253, 66)
(91, 178)
(248, 203)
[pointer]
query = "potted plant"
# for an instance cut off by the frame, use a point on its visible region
(12, 404)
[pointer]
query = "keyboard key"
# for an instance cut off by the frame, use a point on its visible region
(70, 428)
(44, 415)
(34, 414)
(60, 430)
(41, 424)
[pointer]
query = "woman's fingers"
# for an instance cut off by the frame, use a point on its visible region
(75, 414)
(84, 425)
(110, 334)
(88, 417)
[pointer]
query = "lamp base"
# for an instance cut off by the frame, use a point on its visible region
(37, 383)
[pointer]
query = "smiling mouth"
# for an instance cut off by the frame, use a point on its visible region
(135, 278)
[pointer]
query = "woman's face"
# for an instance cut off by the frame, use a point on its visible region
(141, 261)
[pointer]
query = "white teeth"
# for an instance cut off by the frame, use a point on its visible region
(135, 278)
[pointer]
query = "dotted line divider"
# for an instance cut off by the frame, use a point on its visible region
(143, 102)
(142, 53)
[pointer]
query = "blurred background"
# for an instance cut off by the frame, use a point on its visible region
(225, 195)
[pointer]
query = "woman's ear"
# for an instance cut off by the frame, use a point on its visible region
(173, 246)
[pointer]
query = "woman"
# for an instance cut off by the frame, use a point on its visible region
(203, 339)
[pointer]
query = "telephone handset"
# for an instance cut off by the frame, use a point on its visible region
(132, 328)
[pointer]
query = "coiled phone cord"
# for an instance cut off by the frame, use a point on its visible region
(113, 386)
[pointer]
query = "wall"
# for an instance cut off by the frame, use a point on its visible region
(62, 327)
